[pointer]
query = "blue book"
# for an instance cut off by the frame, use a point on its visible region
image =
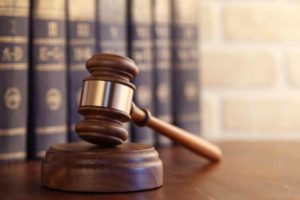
(162, 64)
(140, 50)
(14, 18)
(112, 27)
(48, 119)
(185, 65)
(81, 16)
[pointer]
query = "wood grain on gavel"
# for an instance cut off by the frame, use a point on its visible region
(143, 117)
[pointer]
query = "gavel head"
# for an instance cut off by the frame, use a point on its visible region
(106, 99)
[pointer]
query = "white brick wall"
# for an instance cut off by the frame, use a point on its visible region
(250, 69)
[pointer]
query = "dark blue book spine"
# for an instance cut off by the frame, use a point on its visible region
(140, 50)
(112, 32)
(81, 46)
(14, 17)
(185, 74)
(48, 84)
(112, 28)
(162, 64)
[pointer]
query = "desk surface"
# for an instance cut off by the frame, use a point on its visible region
(249, 171)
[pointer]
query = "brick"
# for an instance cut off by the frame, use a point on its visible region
(261, 115)
(207, 25)
(238, 68)
(262, 22)
(294, 68)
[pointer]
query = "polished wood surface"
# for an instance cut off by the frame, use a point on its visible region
(260, 171)
(84, 167)
(188, 140)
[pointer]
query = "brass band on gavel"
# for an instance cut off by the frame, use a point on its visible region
(107, 94)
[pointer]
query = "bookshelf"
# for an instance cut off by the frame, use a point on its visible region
(43, 49)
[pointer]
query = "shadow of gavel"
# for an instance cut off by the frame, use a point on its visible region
(106, 103)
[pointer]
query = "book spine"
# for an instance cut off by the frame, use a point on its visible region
(14, 17)
(162, 64)
(112, 24)
(112, 29)
(185, 65)
(81, 16)
(140, 50)
(48, 108)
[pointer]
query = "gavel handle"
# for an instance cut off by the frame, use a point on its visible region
(142, 117)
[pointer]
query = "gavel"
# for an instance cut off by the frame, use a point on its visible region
(106, 103)
(105, 162)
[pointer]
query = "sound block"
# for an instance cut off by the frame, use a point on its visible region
(84, 167)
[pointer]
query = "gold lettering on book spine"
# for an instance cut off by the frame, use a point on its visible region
(52, 29)
(15, 53)
(82, 13)
(50, 46)
(83, 30)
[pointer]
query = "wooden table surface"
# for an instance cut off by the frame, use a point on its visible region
(253, 171)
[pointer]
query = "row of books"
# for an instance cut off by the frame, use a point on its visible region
(43, 48)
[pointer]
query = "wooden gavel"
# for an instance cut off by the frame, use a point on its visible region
(113, 165)
(106, 103)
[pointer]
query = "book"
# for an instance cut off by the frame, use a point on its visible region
(48, 119)
(14, 22)
(81, 17)
(140, 50)
(185, 65)
(112, 28)
(162, 64)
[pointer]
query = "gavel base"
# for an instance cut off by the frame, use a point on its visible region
(83, 167)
